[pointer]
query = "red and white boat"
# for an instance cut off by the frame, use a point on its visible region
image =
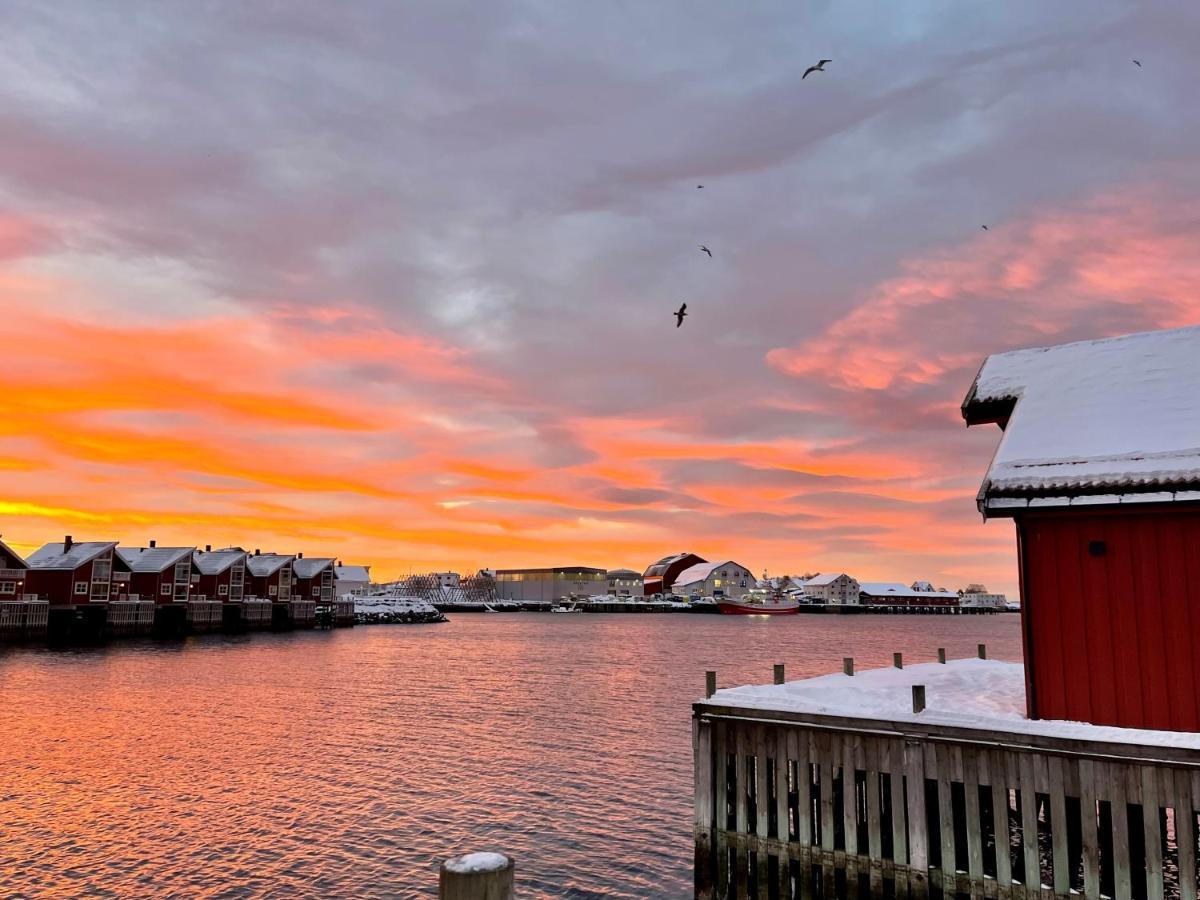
(755, 607)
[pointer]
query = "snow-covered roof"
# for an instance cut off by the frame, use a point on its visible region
(153, 559)
(310, 567)
(623, 573)
(53, 556)
(264, 564)
(701, 571)
(966, 693)
(214, 562)
(1115, 418)
(896, 589)
(351, 573)
(820, 580)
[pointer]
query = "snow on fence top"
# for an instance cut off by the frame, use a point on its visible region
(1112, 419)
(982, 694)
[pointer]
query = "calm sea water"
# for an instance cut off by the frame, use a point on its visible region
(347, 764)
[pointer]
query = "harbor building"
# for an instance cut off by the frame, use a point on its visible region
(834, 588)
(161, 574)
(12, 573)
(269, 576)
(73, 573)
(976, 596)
(547, 585)
(660, 576)
(222, 574)
(625, 583)
(351, 580)
(890, 593)
(719, 580)
(312, 578)
(1099, 468)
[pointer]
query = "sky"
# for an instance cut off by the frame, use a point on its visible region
(395, 282)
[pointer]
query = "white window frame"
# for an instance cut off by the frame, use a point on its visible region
(8, 587)
(222, 590)
(81, 587)
(316, 591)
(166, 588)
(273, 590)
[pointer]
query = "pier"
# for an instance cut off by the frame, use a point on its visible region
(791, 803)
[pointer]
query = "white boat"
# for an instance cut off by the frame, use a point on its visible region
(569, 608)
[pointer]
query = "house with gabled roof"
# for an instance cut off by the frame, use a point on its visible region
(12, 573)
(832, 588)
(312, 578)
(726, 579)
(75, 573)
(222, 574)
(350, 580)
(161, 574)
(269, 576)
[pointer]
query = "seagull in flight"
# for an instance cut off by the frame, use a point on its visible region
(819, 67)
(679, 314)
(699, 186)
(1137, 63)
(984, 227)
(704, 249)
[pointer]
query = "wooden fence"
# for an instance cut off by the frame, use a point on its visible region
(23, 618)
(792, 805)
(130, 616)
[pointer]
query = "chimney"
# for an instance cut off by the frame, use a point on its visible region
(256, 551)
(208, 548)
(153, 544)
(67, 542)
(339, 563)
(299, 556)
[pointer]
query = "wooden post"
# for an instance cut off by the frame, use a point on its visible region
(779, 673)
(710, 684)
(942, 655)
(476, 876)
(898, 660)
(848, 665)
(983, 651)
(918, 691)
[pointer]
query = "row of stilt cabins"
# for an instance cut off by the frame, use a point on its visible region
(88, 589)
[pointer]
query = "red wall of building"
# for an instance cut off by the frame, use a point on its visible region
(1111, 638)
(58, 585)
(148, 585)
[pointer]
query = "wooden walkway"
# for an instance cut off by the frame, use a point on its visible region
(794, 805)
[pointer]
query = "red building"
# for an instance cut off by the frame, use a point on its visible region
(12, 574)
(269, 576)
(312, 579)
(1099, 467)
(222, 574)
(888, 593)
(161, 574)
(660, 577)
(75, 573)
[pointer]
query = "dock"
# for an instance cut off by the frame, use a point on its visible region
(795, 803)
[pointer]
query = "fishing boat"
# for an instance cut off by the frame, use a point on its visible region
(754, 606)
(567, 608)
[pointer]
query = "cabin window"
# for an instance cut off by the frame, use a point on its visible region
(222, 590)
(81, 587)
(8, 587)
(165, 590)
(316, 591)
(273, 590)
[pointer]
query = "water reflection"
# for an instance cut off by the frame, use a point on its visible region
(347, 764)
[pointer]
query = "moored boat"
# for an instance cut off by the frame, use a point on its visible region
(755, 607)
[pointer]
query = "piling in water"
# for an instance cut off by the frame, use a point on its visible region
(848, 665)
(942, 655)
(779, 673)
(710, 684)
(898, 660)
(476, 876)
(918, 692)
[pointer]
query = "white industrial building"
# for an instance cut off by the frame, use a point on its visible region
(625, 583)
(719, 579)
(836, 588)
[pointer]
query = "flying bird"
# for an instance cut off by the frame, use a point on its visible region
(819, 67)
(1137, 63)
(679, 314)
(984, 227)
(706, 250)
(699, 186)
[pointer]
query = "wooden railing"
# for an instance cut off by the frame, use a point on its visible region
(793, 805)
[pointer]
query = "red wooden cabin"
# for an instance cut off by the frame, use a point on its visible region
(660, 577)
(312, 579)
(269, 576)
(161, 574)
(12, 574)
(74, 573)
(222, 574)
(1099, 467)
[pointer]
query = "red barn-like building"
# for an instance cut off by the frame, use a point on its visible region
(660, 577)
(222, 574)
(1099, 467)
(312, 579)
(12, 574)
(269, 577)
(75, 573)
(161, 574)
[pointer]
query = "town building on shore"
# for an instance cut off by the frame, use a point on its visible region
(353, 581)
(660, 577)
(625, 583)
(161, 574)
(269, 576)
(312, 578)
(976, 596)
(74, 573)
(550, 584)
(726, 579)
(1099, 467)
(222, 574)
(833, 588)
(12, 574)
(888, 593)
